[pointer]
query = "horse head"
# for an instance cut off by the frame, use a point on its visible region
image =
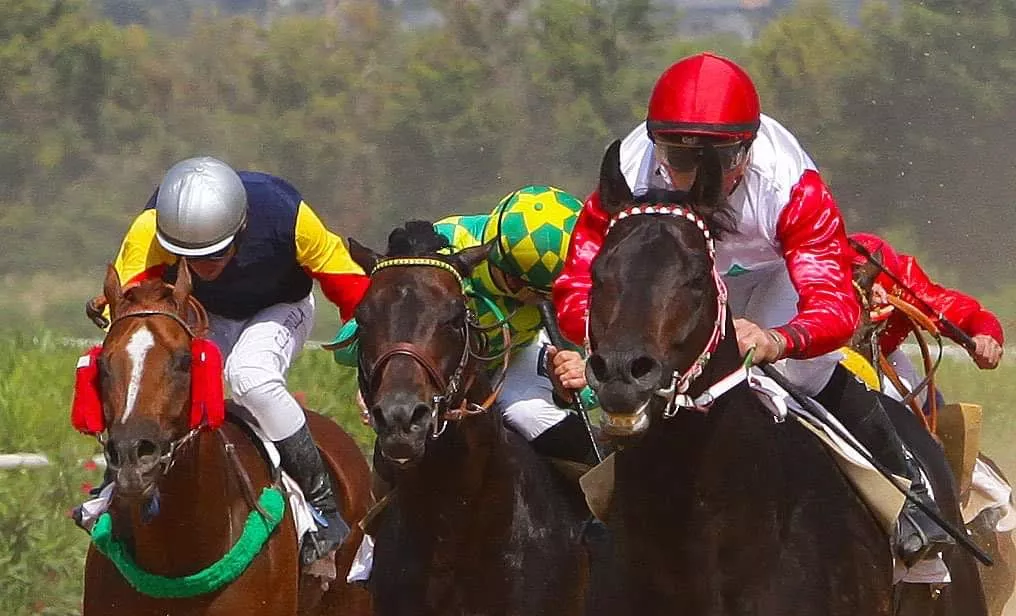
(415, 336)
(145, 378)
(656, 305)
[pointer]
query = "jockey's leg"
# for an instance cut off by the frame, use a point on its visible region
(527, 398)
(770, 300)
(256, 372)
(862, 413)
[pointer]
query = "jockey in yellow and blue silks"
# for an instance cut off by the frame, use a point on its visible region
(529, 230)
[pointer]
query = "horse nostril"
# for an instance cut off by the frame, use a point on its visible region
(597, 367)
(420, 413)
(377, 417)
(112, 455)
(145, 448)
(644, 368)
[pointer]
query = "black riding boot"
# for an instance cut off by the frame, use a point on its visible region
(567, 440)
(861, 412)
(300, 458)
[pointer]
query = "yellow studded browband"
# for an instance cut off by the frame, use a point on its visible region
(424, 261)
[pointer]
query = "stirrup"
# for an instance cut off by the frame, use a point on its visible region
(327, 539)
(918, 537)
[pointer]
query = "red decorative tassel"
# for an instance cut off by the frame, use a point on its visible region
(86, 409)
(208, 406)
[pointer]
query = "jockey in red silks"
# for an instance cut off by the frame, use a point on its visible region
(903, 277)
(787, 267)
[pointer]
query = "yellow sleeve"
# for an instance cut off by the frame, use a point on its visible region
(325, 257)
(141, 256)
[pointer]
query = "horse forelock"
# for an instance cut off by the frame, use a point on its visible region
(417, 238)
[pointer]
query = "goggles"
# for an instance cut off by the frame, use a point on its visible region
(685, 158)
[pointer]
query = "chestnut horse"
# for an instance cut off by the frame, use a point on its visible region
(183, 493)
(477, 523)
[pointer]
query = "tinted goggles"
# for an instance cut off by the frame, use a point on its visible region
(685, 158)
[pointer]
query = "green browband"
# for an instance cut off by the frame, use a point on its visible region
(255, 532)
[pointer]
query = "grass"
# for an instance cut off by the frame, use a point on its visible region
(42, 552)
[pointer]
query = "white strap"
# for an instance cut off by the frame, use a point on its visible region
(704, 400)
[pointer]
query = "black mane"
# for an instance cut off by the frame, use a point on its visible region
(416, 239)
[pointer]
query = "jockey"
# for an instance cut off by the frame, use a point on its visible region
(786, 268)
(937, 302)
(529, 231)
(255, 247)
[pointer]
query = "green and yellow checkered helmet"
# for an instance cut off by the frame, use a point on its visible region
(532, 227)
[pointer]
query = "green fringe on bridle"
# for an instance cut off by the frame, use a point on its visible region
(256, 531)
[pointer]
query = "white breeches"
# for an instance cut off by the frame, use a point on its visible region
(258, 353)
(768, 299)
(527, 398)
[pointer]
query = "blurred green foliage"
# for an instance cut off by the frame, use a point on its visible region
(908, 115)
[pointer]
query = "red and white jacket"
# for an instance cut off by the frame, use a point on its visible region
(959, 308)
(787, 218)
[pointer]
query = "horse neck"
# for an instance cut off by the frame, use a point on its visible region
(201, 512)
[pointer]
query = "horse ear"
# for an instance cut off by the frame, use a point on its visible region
(364, 257)
(615, 194)
(707, 190)
(469, 258)
(183, 287)
(111, 288)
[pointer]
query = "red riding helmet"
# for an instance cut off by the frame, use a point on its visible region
(707, 95)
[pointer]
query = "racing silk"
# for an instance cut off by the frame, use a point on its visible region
(964, 311)
(283, 248)
(467, 232)
(786, 218)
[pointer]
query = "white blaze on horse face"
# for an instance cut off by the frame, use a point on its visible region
(137, 349)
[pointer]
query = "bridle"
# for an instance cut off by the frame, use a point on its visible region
(168, 459)
(676, 393)
(451, 404)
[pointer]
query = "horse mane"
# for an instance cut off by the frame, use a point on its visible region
(416, 238)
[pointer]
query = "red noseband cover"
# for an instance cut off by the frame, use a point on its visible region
(207, 404)
(86, 409)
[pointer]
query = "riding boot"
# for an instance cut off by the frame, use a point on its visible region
(860, 410)
(568, 440)
(301, 459)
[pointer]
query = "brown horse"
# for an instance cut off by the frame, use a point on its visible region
(183, 494)
(999, 580)
(477, 523)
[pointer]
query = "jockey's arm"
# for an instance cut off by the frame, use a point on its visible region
(961, 309)
(811, 234)
(572, 286)
(324, 256)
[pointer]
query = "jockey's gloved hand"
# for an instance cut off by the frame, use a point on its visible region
(94, 309)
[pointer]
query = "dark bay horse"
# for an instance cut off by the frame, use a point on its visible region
(716, 510)
(184, 494)
(477, 524)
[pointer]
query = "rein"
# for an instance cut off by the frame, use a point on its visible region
(676, 393)
(444, 408)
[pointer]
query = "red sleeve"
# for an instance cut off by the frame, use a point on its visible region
(963, 310)
(811, 232)
(571, 288)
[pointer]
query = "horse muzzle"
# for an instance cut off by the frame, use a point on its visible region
(626, 425)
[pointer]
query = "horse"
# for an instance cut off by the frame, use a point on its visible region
(477, 523)
(999, 580)
(716, 509)
(185, 494)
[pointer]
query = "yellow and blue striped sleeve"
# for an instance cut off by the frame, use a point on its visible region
(141, 257)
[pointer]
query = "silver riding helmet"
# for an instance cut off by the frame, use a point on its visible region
(201, 206)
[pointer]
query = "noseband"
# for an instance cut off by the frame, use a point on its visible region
(453, 389)
(676, 392)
